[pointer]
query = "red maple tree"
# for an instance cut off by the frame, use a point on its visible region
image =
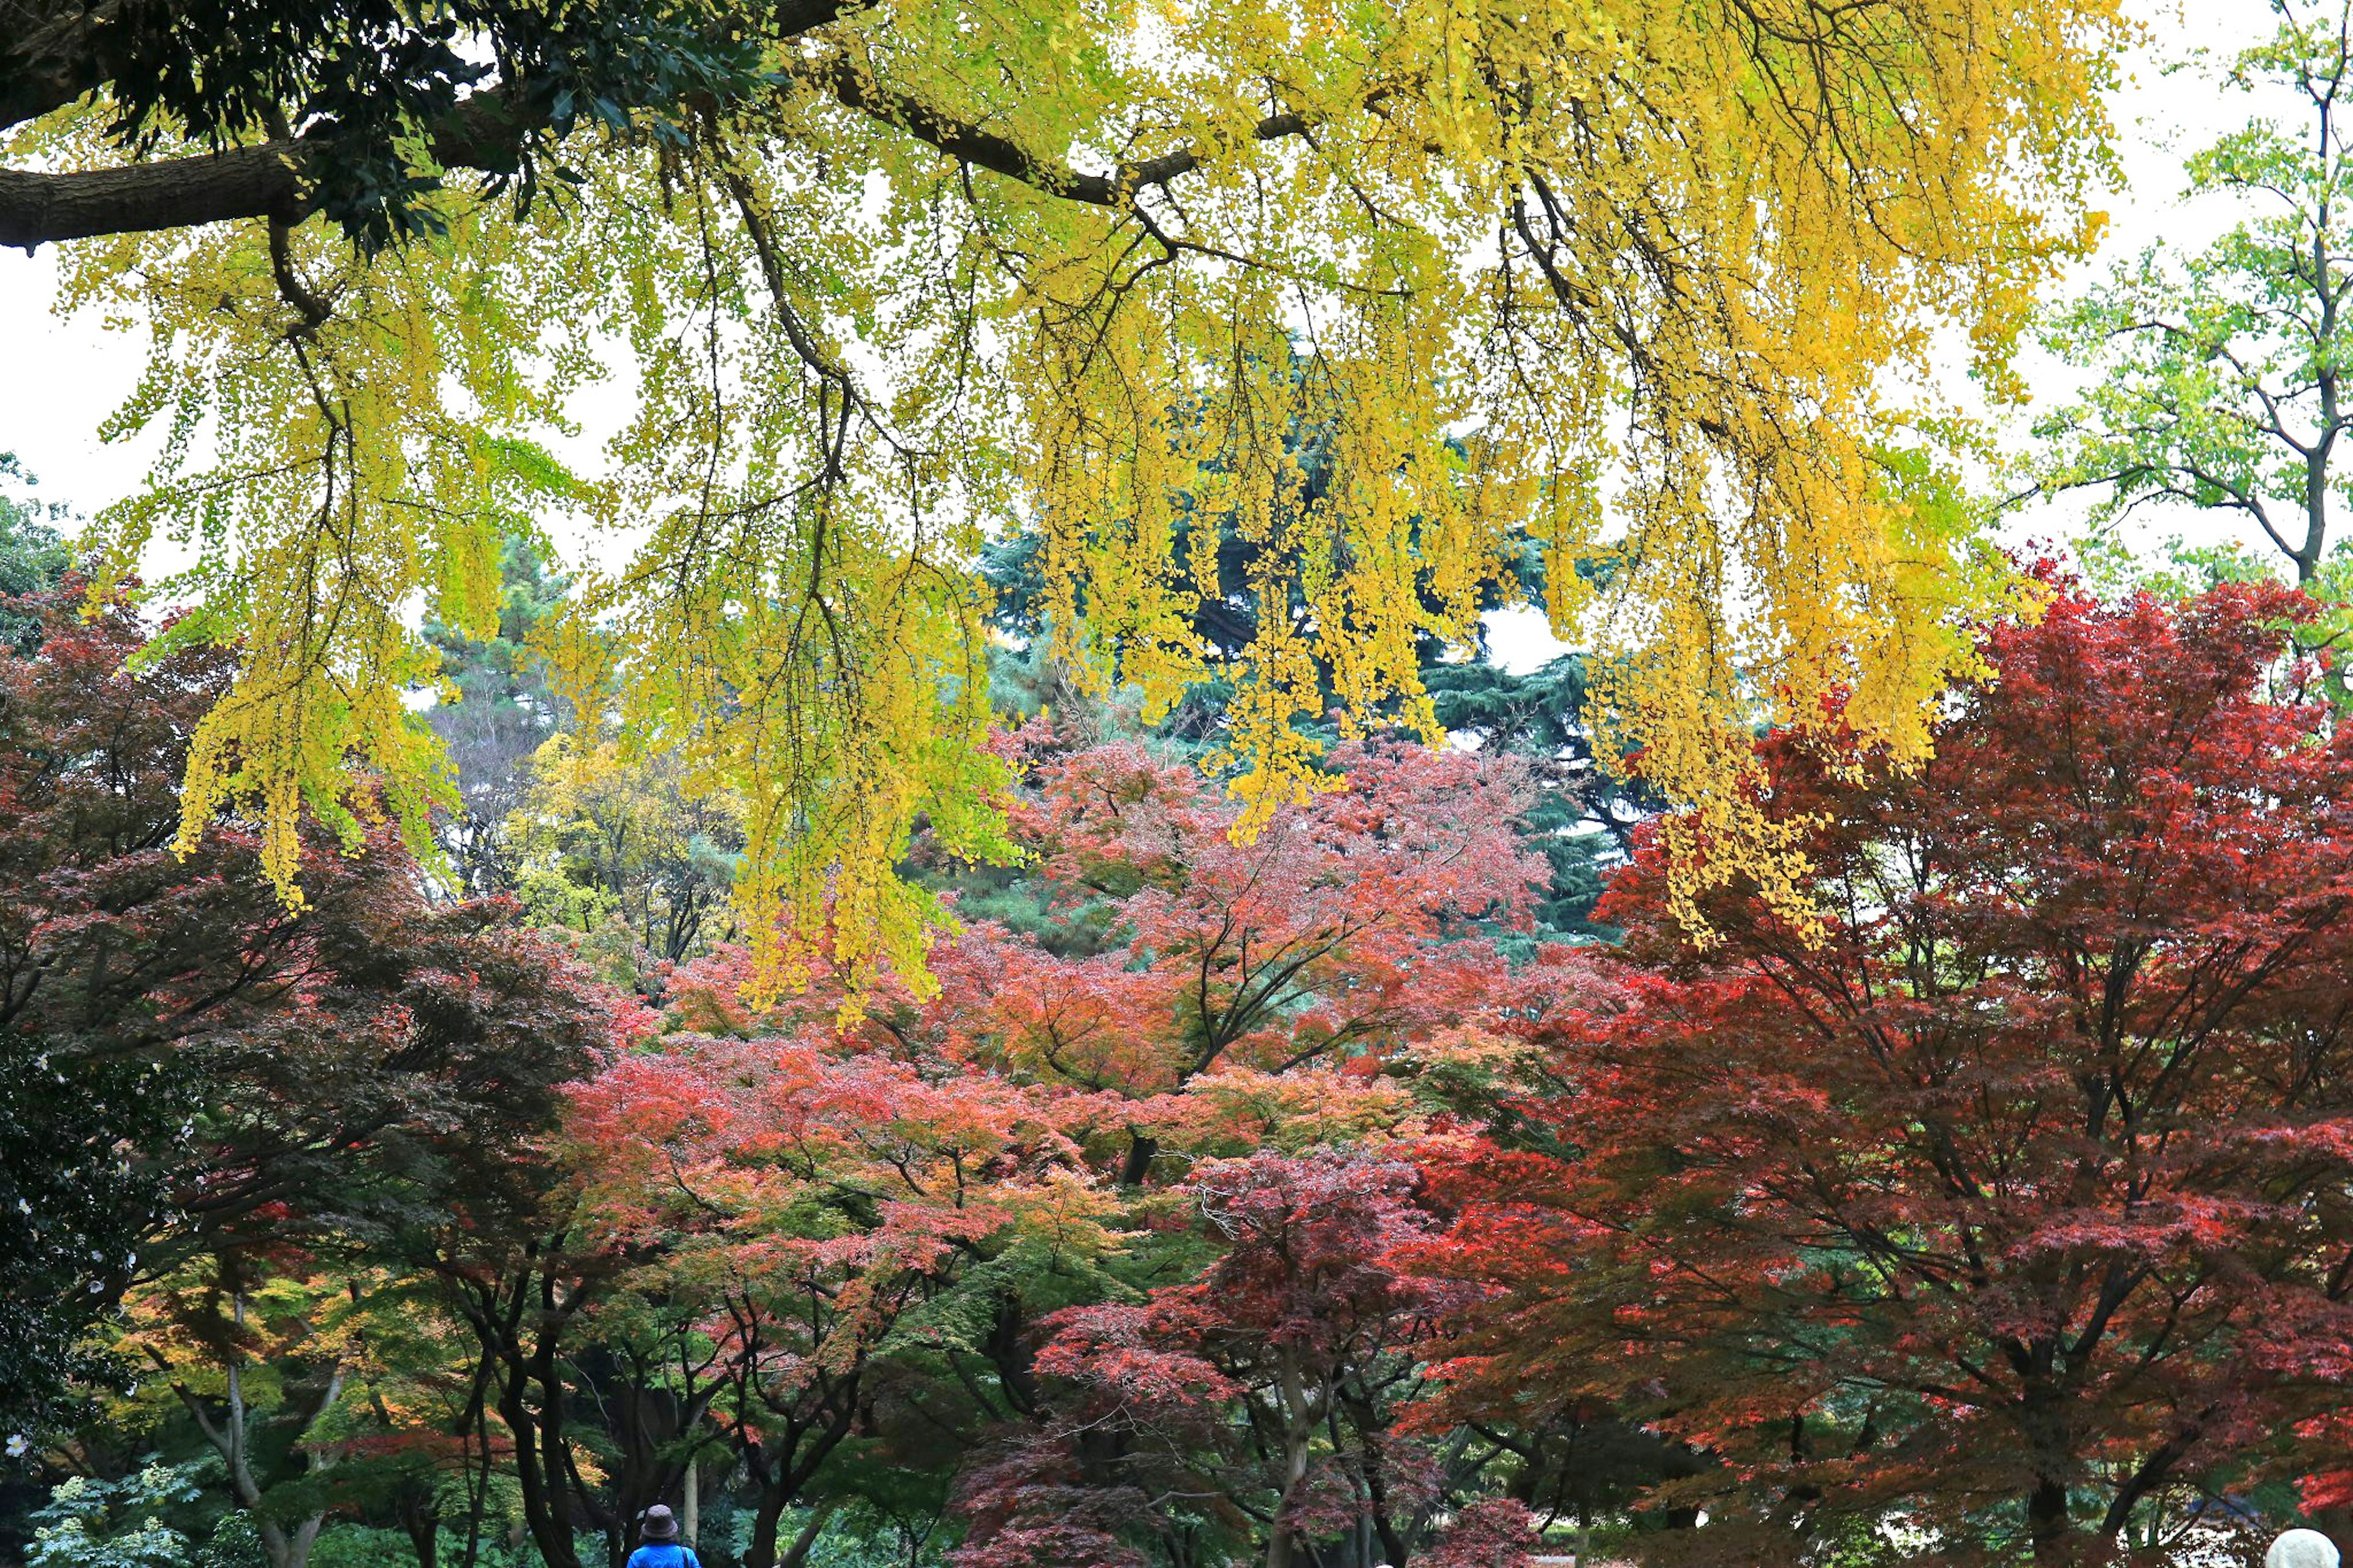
(1255, 1405)
(2017, 1202)
(207, 1095)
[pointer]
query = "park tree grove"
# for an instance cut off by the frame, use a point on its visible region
(811, 782)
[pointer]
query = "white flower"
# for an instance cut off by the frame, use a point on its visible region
(17, 1445)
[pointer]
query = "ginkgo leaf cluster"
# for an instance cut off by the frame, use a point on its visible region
(1629, 279)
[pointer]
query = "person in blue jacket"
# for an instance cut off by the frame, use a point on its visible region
(662, 1549)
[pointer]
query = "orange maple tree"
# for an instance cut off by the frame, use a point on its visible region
(845, 1222)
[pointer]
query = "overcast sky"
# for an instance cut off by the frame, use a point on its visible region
(59, 379)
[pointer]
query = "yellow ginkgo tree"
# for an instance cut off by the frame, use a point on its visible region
(1631, 277)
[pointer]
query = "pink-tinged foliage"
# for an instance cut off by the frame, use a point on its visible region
(1055, 1543)
(809, 1197)
(1498, 1533)
(1227, 1391)
(1230, 995)
(2025, 1193)
(807, 1191)
(1325, 935)
(1029, 1505)
(784, 1204)
(1128, 1358)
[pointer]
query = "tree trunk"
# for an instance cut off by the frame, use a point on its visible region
(420, 1517)
(1141, 1152)
(2046, 1519)
(800, 1552)
(1009, 1349)
(1379, 1509)
(763, 1553)
(765, 1526)
(298, 1544)
(539, 1448)
(232, 1437)
(1298, 1432)
(2336, 1523)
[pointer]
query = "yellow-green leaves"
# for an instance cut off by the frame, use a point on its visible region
(1381, 292)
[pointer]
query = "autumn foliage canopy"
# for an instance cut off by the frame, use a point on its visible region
(1283, 1197)
(2017, 1201)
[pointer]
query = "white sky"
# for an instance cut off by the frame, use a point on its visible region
(59, 379)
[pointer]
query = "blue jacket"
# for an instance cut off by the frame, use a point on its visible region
(664, 1554)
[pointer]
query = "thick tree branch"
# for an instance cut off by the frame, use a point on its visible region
(840, 79)
(244, 182)
(60, 53)
(264, 180)
(488, 133)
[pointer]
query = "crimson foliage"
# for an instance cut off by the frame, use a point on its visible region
(1257, 1401)
(2016, 1204)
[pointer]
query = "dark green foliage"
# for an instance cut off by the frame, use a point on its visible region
(358, 80)
(1539, 714)
(1559, 826)
(32, 554)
